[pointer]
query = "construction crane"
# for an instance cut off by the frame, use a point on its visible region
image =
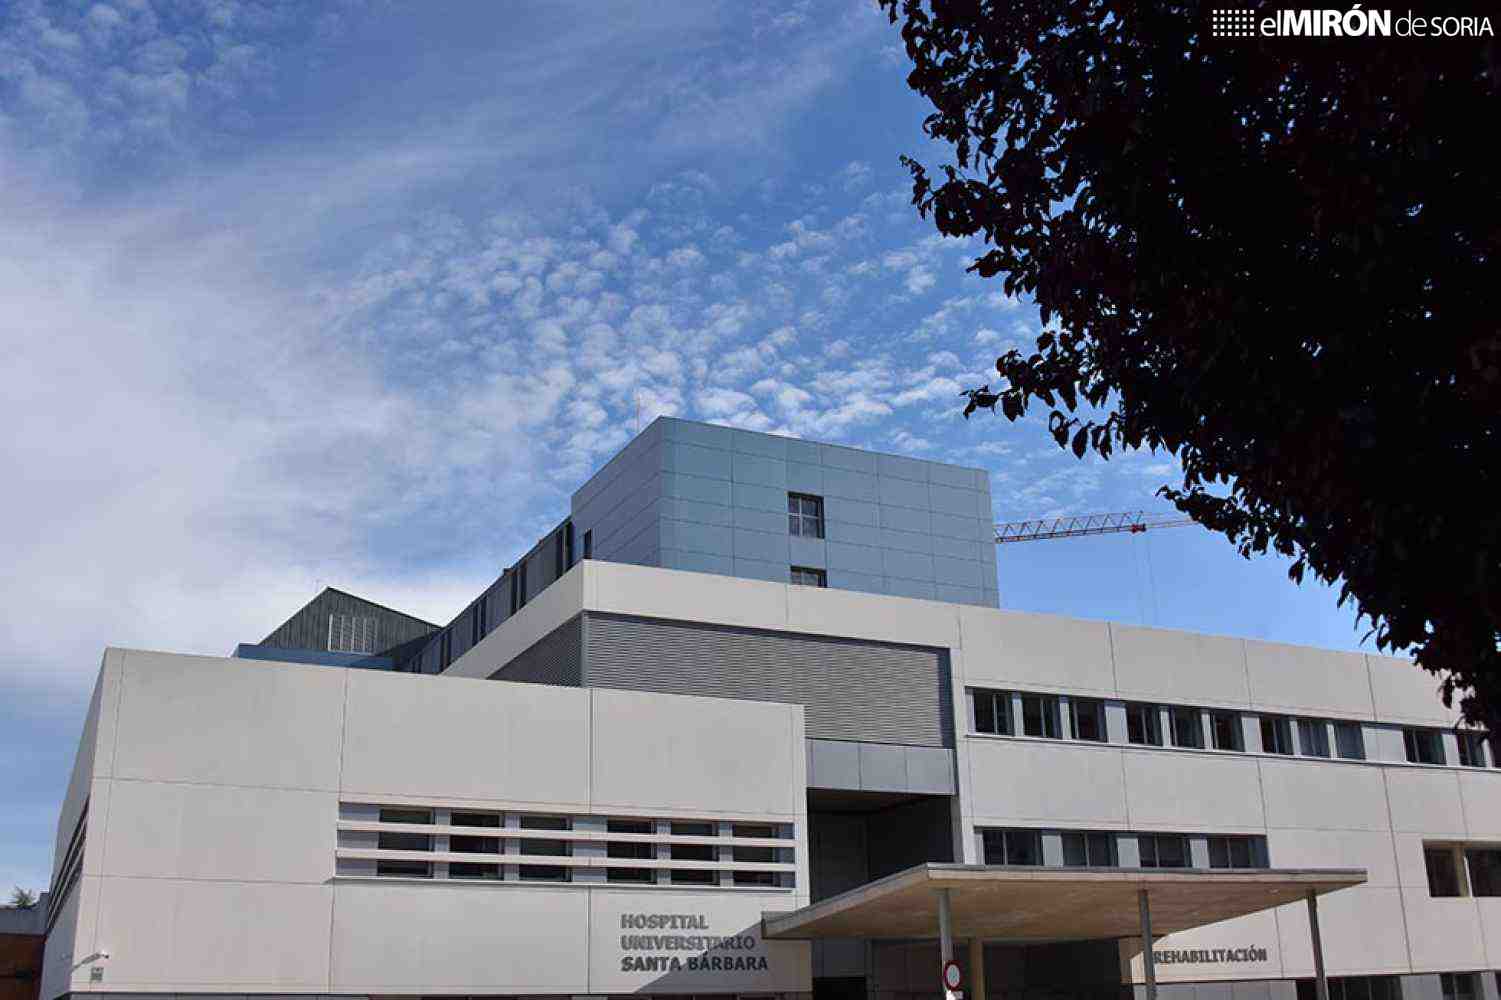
(1131, 522)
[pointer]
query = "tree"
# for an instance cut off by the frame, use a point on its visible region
(22, 899)
(1277, 258)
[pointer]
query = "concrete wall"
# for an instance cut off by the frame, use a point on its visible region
(215, 803)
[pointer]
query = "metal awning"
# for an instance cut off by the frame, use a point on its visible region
(1025, 904)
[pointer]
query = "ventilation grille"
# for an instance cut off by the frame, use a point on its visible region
(352, 634)
(450, 843)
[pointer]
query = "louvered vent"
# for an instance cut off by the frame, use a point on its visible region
(352, 634)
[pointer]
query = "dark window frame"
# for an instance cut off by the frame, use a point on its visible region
(1349, 736)
(1047, 716)
(1233, 738)
(1183, 719)
(1423, 746)
(1091, 710)
(805, 515)
(1440, 864)
(1280, 729)
(630, 850)
(1471, 747)
(800, 575)
(1143, 724)
(1154, 858)
(996, 709)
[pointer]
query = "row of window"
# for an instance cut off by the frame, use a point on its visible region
(1006, 713)
(1102, 849)
(1463, 869)
(534, 858)
(1359, 988)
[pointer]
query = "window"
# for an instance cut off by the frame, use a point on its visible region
(1349, 740)
(469, 869)
(1232, 852)
(568, 543)
(1086, 717)
(474, 845)
(445, 650)
(1485, 871)
(1354, 988)
(1276, 735)
(1224, 729)
(694, 852)
(1424, 746)
(481, 616)
(1012, 847)
(1443, 874)
(633, 850)
(559, 557)
(805, 515)
(1458, 985)
(589, 544)
(1163, 850)
(1185, 726)
(1089, 850)
(474, 819)
(544, 847)
(521, 587)
(992, 712)
(805, 576)
(1471, 749)
(1040, 715)
(1142, 724)
(1313, 738)
(393, 840)
(754, 855)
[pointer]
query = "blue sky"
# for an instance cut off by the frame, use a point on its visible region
(358, 298)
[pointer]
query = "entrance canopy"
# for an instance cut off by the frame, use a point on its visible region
(1024, 904)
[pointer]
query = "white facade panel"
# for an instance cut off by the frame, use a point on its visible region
(1187, 791)
(1300, 794)
(1179, 667)
(1301, 680)
(691, 754)
(167, 935)
(1006, 649)
(187, 718)
(1403, 693)
(465, 739)
(1031, 782)
(459, 939)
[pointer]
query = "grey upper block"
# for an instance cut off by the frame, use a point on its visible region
(714, 499)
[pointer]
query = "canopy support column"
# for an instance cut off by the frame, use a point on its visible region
(976, 969)
(1318, 946)
(945, 928)
(1148, 962)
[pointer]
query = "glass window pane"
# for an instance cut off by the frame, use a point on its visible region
(1485, 872)
(1023, 847)
(1075, 854)
(1172, 851)
(1314, 737)
(1101, 850)
(1146, 844)
(1443, 880)
(1349, 742)
(1219, 852)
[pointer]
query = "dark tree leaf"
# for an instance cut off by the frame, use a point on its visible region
(1273, 261)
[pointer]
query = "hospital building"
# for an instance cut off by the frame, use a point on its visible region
(750, 722)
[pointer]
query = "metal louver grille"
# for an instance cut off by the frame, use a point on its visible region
(352, 634)
(852, 690)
